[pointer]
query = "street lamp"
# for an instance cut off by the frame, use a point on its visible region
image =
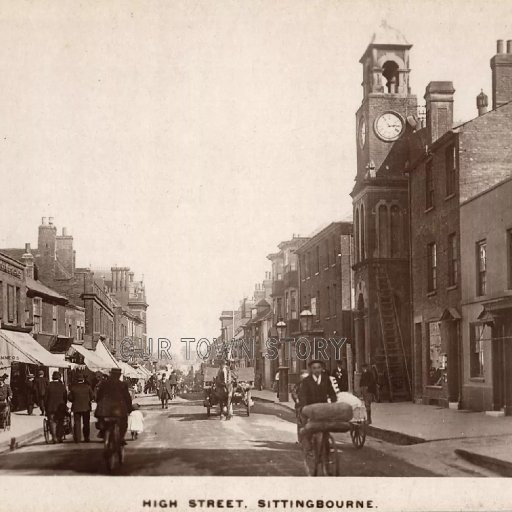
(306, 320)
(283, 370)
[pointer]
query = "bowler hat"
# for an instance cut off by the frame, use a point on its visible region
(319, 361)
(55, 376)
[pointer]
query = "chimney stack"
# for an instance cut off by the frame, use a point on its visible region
(481, 103)
(28, 261)
(439, 107)
(501, 66)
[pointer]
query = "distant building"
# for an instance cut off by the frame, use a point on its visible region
(325, 276)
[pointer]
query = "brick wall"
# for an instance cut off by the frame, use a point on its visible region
(485, 152)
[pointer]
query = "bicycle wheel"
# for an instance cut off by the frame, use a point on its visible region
(329, 465)
(46, 430)
(311, 457)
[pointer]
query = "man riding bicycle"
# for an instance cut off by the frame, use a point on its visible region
(113, 401)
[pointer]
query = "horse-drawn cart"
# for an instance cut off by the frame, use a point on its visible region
(210, 398)
(244, 382)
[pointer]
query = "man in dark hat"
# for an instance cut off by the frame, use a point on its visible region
(114, 401)
(30, 393)
(55, 406)
(368, 385)
(341, 375)
(41, 384)
(316, 388)
(80, 396)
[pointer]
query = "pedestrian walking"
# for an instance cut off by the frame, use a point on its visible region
(136, 421)
(81, 396)
(30, 393)
(164, 392)
(341, 376)
(368, 385)
(56, 407)
(173, 382)
(41, 384)
(276, 383)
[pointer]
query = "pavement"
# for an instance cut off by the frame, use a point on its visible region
(482, 440)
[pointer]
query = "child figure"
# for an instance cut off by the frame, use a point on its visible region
(136, 421)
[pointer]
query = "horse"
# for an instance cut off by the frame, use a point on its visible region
(224, 394)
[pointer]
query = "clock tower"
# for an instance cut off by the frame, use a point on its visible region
(380, 202)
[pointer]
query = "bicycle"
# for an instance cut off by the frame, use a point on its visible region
(113, 446)
(322, 459)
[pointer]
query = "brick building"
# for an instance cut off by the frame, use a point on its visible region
(459, 163)
(486, 257)
(325, 286)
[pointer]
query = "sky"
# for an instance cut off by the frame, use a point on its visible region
(186, 139)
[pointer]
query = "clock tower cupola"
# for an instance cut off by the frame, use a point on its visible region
(387, 100)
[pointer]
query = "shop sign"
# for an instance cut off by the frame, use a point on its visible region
(10, 269)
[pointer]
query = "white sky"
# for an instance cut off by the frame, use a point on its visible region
(185, 139)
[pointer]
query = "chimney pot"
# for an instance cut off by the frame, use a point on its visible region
(43, 221)
(64, 231)
(27, 248)
(499, 46)
(50, 221)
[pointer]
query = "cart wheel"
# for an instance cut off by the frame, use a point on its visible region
(358, 435)
(46, 430)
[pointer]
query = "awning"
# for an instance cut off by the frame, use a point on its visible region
(93, 360)
(21, 347)
(128, 371)
(105, 354)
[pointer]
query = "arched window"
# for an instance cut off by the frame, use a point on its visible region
(391, 75)
(356, 233)
(383, 231)
(362, 222)
(395, 231)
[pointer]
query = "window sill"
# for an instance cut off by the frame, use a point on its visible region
(451, 196)
(317, 273)
(326, 268)
(432, 386)
(476, 379)
(452, 287)
(432, 293)
(429, 209)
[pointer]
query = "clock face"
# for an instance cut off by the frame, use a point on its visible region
(389, 126)
(362, 132)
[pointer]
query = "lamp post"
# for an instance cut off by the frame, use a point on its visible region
(306, 320)
(283, 369)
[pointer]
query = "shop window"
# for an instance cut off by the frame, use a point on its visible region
(436, 357)
(451, 170)
(429, 185)
(431, 267)
(37, 313)
(453, 260)
(478, 334)
(481, 255)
